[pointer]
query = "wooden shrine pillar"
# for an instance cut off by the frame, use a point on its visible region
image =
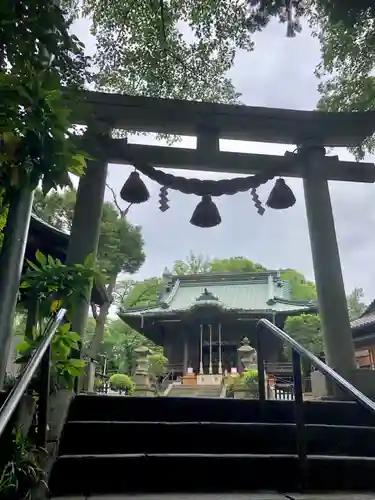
(333, 310)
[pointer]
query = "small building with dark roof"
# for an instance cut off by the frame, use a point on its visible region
(363, 329)
(54, 242)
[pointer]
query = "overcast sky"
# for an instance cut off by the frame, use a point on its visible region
(279, 73)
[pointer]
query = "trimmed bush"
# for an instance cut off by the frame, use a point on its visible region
(122, 383)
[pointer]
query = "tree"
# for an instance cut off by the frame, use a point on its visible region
(344, 12)
(346, 69)
(143, 47)
(193, 264)
(235, 265)
(120, 247)
(35, 130)
(356, 306)
(36, 143)
(306, 329)
(143, 293)
(300, 288)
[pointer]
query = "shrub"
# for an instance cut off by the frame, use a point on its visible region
(122, 383)
(250, 379)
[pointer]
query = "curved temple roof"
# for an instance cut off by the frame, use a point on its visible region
(250, 293)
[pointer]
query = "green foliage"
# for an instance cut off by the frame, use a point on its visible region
(356, 306)
(157, 364)
(196, 264)
(23, 472)
(249, 379)
(64, 368)
(57, 208)
(52, 285)
(235, 265)
(35, 139)
(35, 126)
(193, 264)
(122, 383)
(143, 293)
(55, 285)
(3, 216)
(346, 12)
(346, 69)
(118, 346)
(120, 243)
(300, 288)
(246, 381)
(305, 329)
(42, 41)
(173, 48)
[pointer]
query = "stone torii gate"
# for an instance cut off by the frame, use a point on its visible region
(310, 131)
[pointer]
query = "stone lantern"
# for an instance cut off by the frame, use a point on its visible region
(247, 355)
(142, 381)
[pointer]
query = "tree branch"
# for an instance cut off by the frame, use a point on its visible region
(94, 311)
(165, 44)
(123, 213)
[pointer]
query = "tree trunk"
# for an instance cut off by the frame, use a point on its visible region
(101, 319)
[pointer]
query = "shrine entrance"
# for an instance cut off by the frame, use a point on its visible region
(229, 356)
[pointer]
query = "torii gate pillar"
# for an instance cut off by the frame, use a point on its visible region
(338, 340)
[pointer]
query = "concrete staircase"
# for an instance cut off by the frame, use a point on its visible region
(134, 445)
(194, 391)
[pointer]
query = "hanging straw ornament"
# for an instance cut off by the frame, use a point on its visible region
(134, 190)
(206, 213)
(281, 196)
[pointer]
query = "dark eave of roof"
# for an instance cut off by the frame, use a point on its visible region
(52, 241)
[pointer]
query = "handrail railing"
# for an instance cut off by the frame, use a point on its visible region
(319, 364)
(40, 358)
(299, 351)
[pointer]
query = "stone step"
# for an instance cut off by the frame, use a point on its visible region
(199, 473)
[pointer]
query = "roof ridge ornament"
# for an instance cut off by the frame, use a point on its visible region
(206, 295)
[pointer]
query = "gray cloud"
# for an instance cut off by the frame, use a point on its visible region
(279, 73)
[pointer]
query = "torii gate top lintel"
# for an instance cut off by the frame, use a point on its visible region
(236, 122)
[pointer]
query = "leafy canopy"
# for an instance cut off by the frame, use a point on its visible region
(348, 60)
(35, 136)
(120, 243)
(175, 48)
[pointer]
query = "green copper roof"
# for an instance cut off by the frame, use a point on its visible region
(252, 292)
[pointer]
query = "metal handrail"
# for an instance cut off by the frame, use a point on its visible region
(12, 401)
(320, 365)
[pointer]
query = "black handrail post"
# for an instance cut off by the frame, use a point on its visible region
(44, 389)
(299, 416)
(260, 362)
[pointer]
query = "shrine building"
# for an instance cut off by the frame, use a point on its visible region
(200, 319)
